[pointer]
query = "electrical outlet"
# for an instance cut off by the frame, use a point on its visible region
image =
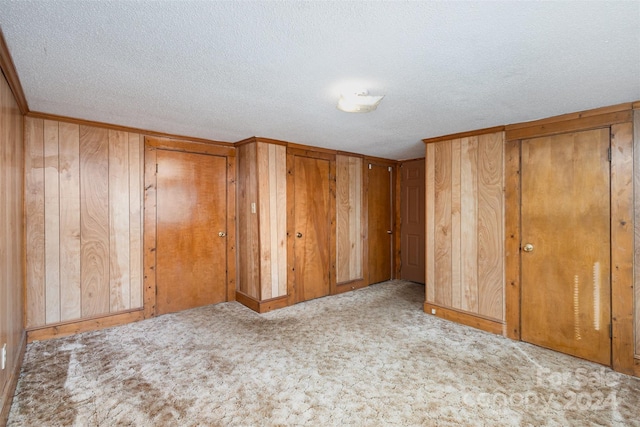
(4, 355)
(433, 311)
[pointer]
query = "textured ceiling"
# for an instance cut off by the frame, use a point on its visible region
(230, 70)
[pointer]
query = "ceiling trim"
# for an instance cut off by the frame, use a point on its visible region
(463, 134)
(9, 70)
(572, 116)
(47, 116)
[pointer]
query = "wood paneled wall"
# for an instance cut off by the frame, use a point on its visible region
(465, 225)
(262, 220)
(349, 212)
(11, 236)
(83, 221)
(636, 185)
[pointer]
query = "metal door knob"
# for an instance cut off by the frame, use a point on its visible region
(222, 234)
(389, 232)
(528, 247)
(298, 235)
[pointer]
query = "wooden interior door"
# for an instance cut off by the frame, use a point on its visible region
(412, 214)
(565, 255)
(312, 229)
(191, 230)
(380, 227)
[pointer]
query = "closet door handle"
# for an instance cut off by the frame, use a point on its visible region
(298, 235)
(222, 234)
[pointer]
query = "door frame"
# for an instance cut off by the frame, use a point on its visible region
(622, 221)
(292, 152)
(151, 145)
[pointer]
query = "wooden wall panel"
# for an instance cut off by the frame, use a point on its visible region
(34, 212)
(69, 179)
(83, 200)
(636, 189)
(247, 194)
(51, 222)
(11, 236)
(465, 226)
(94, 220)
(349, 236)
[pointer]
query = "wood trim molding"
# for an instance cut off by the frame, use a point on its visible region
(572, 116)
(260, 139)
(464, 134)
(475, 321)
(512, 239)
(9, 70)
(380, 161)
(262, 306)
(151, 145)
(397, 221)
(143, 132)
(351, 285)
(585, 122)
(622, 249)
(10, 388)
(63, 330)
(636, 105)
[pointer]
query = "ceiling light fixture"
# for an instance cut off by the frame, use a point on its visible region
(358, 102)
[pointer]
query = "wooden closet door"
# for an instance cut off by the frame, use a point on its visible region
(412, 213)
(312, 230)
(191, 230)
(380, 211)
(566, 244)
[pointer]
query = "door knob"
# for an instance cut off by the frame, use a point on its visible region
(222, 234)
(389, 232)
(298, 235)
(528, 247)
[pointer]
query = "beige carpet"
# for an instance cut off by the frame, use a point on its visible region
(365, 358)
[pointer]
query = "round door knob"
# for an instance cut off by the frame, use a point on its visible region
(298, 235)
(528, 247)
(222, 234)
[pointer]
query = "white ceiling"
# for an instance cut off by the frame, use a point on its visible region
(230, 70)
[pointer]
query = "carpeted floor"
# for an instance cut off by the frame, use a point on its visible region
(365, 358)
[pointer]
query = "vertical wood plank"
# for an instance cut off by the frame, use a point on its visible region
(355, 226)
(456, 226)
(469, 223)
(34, 211)
(636, 225)
(281, 205)
(94, 220)
(512, 240)
(273, 221)
(119, 264)
(430, 234)
(490, 225)
(443, 230)
(51, 222)
(622, 233)
(231, 227)
(136, 165)
(70, 303)
(264, 211)
(342, 218)
(149, 230)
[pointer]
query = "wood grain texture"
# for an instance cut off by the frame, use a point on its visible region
(469, 223)
(380, 222)
(461, 135)
(12, 191)
(34, 212)
(191, 212)
(312, 247)
(456, 226)
(430, 235)
(512, 239)
(566, 278)
(149, 231)
(349, 237)
(622, 234)
(279, 159)
(136, 176)
(70, 303)
(248, 233)
(636, 226)
(443, 252)
(94, 220)
(265, 201)
(119, 239)
(490, 226)
(51, 223)
(231, 227)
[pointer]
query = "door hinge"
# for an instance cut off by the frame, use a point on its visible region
(369, 165)
(609, 154)
(389, 168)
